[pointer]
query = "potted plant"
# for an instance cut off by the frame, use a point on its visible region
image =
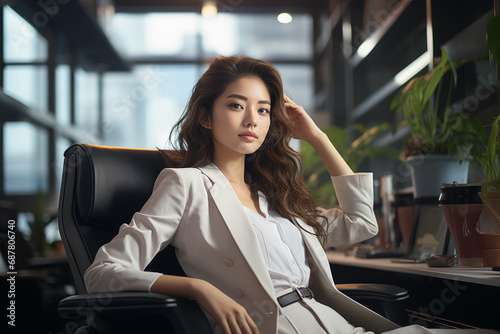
(490, 163)
(490, 196)
(441, 141)
(353, 151)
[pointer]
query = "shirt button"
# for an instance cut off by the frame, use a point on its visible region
(238, 293)
(228, 262)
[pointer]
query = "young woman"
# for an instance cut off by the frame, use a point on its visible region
(245, 228)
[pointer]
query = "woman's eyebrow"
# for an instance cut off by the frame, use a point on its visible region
(241, 97)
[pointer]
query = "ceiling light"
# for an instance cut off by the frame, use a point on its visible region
(209, 9)
(284, 18)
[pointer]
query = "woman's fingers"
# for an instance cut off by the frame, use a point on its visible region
(231, 317)
(238, 323)
(303, 126)
(292, 106)
(242, 323)
(253, 327)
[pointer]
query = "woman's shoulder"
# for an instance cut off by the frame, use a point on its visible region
(184, 175)
(179, 172)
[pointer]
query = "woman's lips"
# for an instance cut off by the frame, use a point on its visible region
(249, 136)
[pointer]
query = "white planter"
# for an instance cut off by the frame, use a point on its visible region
(430, 172)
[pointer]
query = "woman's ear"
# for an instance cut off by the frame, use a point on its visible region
(204, 118)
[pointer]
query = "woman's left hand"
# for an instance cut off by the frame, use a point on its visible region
(304, 127)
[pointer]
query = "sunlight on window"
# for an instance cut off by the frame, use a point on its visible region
(189, 35)
(27, 84)
(167, 34)
(219, 35)
(22, 42)
(26, 158)
(141, 107)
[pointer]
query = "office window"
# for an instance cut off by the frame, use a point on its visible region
(298, 84)
(63, 89)
(21, 42)
(188, 35)
(262, 36)
(25, 159)
(156, 34)
(28, 85)
(87, 104)
(141, 108)
(219, 35)
(257, 35)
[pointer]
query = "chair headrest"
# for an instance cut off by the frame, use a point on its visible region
(113, 183)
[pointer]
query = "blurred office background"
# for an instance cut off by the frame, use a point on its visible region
(120, 73)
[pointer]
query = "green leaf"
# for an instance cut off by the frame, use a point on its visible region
(433, 131)
(354, 152)
(493, 37)
(492, 150)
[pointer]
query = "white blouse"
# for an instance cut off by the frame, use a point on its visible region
(282, 245)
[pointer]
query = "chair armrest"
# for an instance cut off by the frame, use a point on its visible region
(380, 292)
(182, 314)
(113, 302)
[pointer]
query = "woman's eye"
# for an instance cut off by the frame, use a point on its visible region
(264, 111)
(236, 106)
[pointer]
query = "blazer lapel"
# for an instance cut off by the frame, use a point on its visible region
(238, 224)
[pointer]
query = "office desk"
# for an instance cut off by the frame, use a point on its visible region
(478, 275)
(440, 296)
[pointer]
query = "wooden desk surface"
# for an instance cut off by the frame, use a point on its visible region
(478, 275)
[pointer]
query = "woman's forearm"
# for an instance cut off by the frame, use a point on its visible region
(229, 315)
(177, 286)
(332, 159)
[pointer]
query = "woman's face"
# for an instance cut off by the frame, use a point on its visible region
(240, 117)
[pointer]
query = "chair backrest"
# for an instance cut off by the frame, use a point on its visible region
(102, 187)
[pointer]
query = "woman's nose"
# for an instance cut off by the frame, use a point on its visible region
(251, 118)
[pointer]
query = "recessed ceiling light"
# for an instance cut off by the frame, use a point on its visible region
(209, 9)
(284, 18)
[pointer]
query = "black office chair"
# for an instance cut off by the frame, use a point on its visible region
(102, 187)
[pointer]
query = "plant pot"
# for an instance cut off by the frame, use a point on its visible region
(462, 207)
(490, 250)
(492, 203)
(430, 172)
(404, 215)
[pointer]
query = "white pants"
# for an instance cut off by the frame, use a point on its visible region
(311, 317)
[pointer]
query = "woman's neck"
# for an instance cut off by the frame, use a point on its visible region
(233, 169)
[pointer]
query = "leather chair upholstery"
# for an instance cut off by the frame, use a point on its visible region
(102, 187)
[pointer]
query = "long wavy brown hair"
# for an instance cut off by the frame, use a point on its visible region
(274, 169)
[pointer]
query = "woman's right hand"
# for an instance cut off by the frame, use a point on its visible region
(231, 317)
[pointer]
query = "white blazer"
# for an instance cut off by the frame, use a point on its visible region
(197, 211)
